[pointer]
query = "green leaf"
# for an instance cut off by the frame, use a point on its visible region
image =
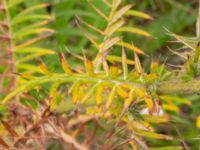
(134, 30)
(138, 14)
(152, 134)
(138, 65)
(30, 17)
(124, 64)
(119, 13)
(111, 97)
(114, 59)
(131, 47)
(25, 50)
(25, 12)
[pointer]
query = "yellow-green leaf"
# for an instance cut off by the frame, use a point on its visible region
(131, 47)
(138, 65)
(120, 13)
(171, 107)
(111, 97)
(138, 14)
(99, 94)
(109, 43)
(64, 64)
(44, 68)
(124, 64)
(112, 58)
(134, 30)
(111, 29)
(152, 134)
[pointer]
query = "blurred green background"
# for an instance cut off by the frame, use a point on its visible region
(178, 16)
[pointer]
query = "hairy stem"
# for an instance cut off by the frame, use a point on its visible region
(9, 50)
(178, 87)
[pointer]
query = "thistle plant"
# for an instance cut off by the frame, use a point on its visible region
(109, 92)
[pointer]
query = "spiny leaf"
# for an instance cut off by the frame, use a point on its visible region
(109, 43)
(54, 88)
(124, 64)
(32, 41)
(74, 90)
(99, 94)
(152, 134)
(131, 47)
(149, 103)
(184, 40)
(25, 76)
(33, 50)
(138, 14)
(138, 65)
(64, 64)
(121, 92)
(113, 58)
(29, 9)
(134, 30)
(130, 99)
(89, 67)
(104, 48)
(178, 54)
(171, 107)
(30, 17)
(31, 57)
(111, 29)
(31, 68)
(119, 13)
(127, 103)
(44, 68)
(111, 97)
(20, 35)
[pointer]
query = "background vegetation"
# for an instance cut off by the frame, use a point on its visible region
(43, 108)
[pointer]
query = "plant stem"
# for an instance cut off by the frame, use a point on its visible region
(178, 87)
(9, 49)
